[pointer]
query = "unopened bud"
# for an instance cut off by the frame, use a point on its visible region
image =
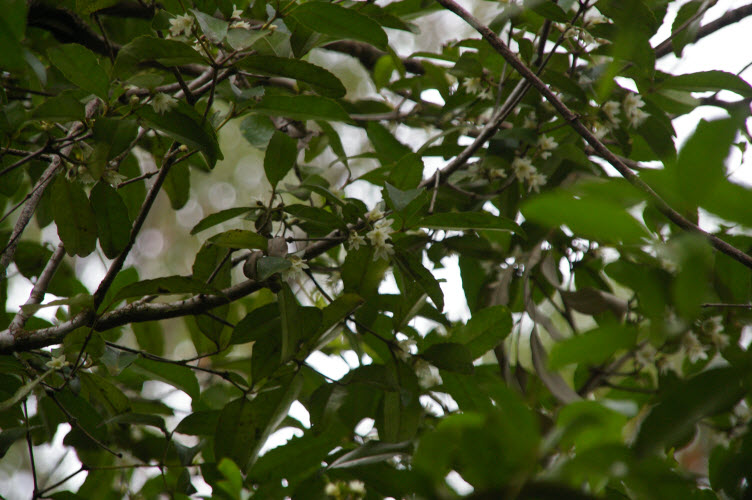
(277, 247)
(249, 267)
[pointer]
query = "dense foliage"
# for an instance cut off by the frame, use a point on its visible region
(603, 349)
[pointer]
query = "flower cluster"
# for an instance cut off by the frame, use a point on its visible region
(475, 86)
(524, 170)
(693, 348)
(181, 25)
(633, 110)
(296, 269)
(428, 375)
(378, 237)
(162, 102)
(340, 489)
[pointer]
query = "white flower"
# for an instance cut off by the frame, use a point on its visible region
(163, 102)
(112, 177)
(375, 214)
(719, 340)
(633, 110)
(428, 375)
(523, 168)
(181, 24)
(546, 144)
(201, 49)
(332, 489)
(355, 241)
(586, 38)
(485, 94)
(381, 232)
(601, 130)
(692, 347)
(236, 13)
(611, 109)
(594, 17)
(57, 363)
(240, 24)
(383, 251)
(536, 180)
(295, 271)
(645, 355)
(404, 349)
(357, 487)
(473, 85)
(530, 120)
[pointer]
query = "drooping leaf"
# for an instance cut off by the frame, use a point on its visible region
(238, 238)
(450, 356)
(218, 218)
(80, 66)
(322, 81)
(468, 220)
(76, 224)
(340, 22)
(180, 377)
(484, 330)
(280, 156)
(111, 215)
(302, 107)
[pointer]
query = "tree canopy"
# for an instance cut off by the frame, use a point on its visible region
(309, 249)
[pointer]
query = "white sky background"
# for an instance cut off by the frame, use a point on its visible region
(725, 50)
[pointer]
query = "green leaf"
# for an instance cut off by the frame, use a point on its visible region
(588, 217)
(450, 356)
(244, 426)
(485, 330)
(302, 107)
(81, 300)
(672, 421)
(407, 172)
(397, 199)
(136, 54)
(241, 39)
(177, 185)
(23, 391)
(388, 148)
(361, 274)
(185, 125)
(269, 266)
(13, 434)
(218, 218)
(320, 79)
(257, 130)
(87, 7)
(12, 29)
(112, 137)
(213, 266)
(280, 157)
(63, 108)
(214, 29)
(80, 66)
(549, 10)
(333, 314)
(147, 419)
(180, 377)
(239, 238)
(111, 215)
(410, 265)
(339, 22)
(169, 285)
(708, 81)
(76, 224)
(459, 221)
(298, 323)
(370, 453)
(199, 423)
(105, 393)
(592, 347)
(318, 217)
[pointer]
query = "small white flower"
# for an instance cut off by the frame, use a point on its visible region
(57, 363)
(236, 13)
(720, 340)
(375, 214)
(163, 102)
(200, 48)
(240, 24)
(692, 347)
(112, 177)
(535, 181)
(523, 168)
(381, 232)
(355, 241)
(332, 489)
(645, 355)
(383, 251)
(530, 120)
(428, 375)
(473, 85)
(405, 348)
(546, 144)
(485, 94)
(611, 109)
(594, 17)
(601, 130)
(295, 271)
(587, 38)
(357, 487)
(181, 24)
(633, 104)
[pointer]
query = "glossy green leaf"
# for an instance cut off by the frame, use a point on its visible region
(320, 79)
(111, 215)
(76, 224)
(705, 81)
(450, 356)
(214, 29)
(589, 217)
(484, 330)
(302, 107)
(169, 285)
(388, 148)
(239, 238)
(133, 56)
(371, 452)
(199, 423)
(318, 217)
(592, 347)
(12, 28)
(269, 266)
(411, 266)
(80, 66)
(672, 421)
(339, 22)
(218, 218)
(280, 156)
(459, 221)
(64, 107)
(257, 130)
(180, 377)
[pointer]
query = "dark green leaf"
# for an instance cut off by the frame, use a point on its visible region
(320, 79)
(371, 452)
(269, 266)
(64, 107)
(214, 29)
(136, 54)
(199, 423)
(339, 22)
(705, 81)
(280, 157)
(411, 266)
(76, 224)
(111, 215)
(180, 377)
(238, 238)
(80, 66)
(218, 218)
(485, 330)
(318, 217)
(450, 356)
(388, 148)
(302, 107)
(257, 130)
(592, 347)
(163, 286)
(468, 220)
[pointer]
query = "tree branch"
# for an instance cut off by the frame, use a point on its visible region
(597, 145)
